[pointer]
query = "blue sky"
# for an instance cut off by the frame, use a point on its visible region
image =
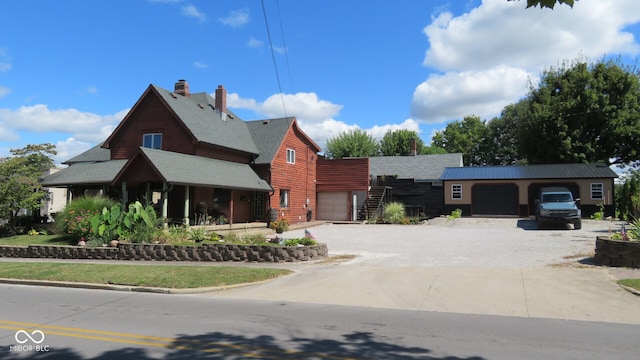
(70, 70)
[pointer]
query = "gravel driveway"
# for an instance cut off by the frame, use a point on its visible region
(464, 242)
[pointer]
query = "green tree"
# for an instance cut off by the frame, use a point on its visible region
(582, 113)
(467, 137)
(547, 3)
(352, 143)
(19, 179)
(398, 143)
(628, 197)
(501, 145)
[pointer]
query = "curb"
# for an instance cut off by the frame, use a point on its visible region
(130, 288)
(630, 289)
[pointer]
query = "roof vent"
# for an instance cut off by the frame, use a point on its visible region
(265, 122)
(201, 106)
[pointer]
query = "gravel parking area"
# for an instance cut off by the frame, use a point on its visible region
(465, 242)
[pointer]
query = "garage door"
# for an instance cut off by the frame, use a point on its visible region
(494, 199)
(333, 206)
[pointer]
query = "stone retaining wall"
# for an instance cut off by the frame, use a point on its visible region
(160, 252)
(617, 253)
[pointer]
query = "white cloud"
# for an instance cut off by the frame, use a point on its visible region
(236, 18)
(5, 60)
(39, 118)
(200, 65)
(91, 90)
(487, 54)
(7, 134)
(315, 116)
(455, 95)
(4, 91)
(255, 43)
(69, 148)
(192, 11)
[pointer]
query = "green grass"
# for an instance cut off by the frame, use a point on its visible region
(632, 283)
(26, 240)
(162, 276)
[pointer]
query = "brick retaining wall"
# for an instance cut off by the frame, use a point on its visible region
(617, 253)
(161, 252)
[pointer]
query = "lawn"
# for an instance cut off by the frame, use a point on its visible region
(26, 240)
(632, 283)
(162, 276)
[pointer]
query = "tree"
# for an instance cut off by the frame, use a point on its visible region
(501, 145)
(466, 137)
(19, 179)
(547, 3)
(582, 113)
(398, 143)
(352, 143)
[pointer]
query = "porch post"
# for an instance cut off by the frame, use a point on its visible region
(149, 195)
(125, 196)
(165, 204)
(185, 220)
(68, 194)
(105, 189)
(231, 208)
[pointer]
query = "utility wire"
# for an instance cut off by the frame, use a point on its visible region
(273, 57)
(284, 44)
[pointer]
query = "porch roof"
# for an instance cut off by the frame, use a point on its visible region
(183, 169)
(89, 173)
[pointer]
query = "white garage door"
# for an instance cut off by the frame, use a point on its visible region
(333, 206)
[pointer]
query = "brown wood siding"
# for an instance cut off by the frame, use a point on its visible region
(342, 175)
(298, 178)
(150, 116)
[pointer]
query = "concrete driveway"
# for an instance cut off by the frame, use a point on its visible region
(468, 265)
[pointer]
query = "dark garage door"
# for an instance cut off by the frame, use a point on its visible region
(494, 199)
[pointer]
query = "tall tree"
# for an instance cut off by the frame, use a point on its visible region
(547, 3)
(466, 137)
(19, 179)
(501, 145)
(398, 143)
(583, 113)
(352, 143)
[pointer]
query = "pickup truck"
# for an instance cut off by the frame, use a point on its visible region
(556, 205)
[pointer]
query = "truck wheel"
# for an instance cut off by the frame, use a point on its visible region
(577, 225)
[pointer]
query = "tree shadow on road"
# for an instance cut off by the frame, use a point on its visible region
(219, 345)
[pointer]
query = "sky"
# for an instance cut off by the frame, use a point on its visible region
(70, 70)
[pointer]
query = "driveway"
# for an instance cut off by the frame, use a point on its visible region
(468, 265)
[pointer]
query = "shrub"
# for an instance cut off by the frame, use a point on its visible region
(299, 241)
(394, 213)
(254, 239)
(75, 218)
(197, 234)
(598, 215)
(455, 214)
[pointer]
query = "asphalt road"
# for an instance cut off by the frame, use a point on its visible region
(95, 324)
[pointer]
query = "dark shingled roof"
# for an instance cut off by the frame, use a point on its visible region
(95, 173)
(268, 136)
(96, 153)
(419, 167)
(197, 112)
(183, 169)
(544, 171)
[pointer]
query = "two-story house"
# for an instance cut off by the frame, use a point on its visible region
(195, 160)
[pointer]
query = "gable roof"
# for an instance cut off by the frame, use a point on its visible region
(91, 173)
(199, 116)
(542, 171)
(183, 169)
(419, 167)
(96, 153)
(269, 134)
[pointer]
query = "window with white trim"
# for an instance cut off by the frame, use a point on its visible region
(284, 199)
(456, 191)
(152, 141)
(291, 156)
(597, 191)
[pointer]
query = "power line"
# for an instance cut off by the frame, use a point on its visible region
(273, 57)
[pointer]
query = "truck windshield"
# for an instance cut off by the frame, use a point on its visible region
(556, 198)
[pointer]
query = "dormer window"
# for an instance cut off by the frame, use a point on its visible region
(152, 141)
(291, 156)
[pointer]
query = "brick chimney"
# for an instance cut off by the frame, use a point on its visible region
(182, 88)
(221, 99)
(414, 147)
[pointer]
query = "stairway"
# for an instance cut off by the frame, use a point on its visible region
(375, 202)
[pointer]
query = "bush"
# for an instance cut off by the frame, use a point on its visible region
(299, 241)
(394, 213)
(197, 235)
(455, 214)
(75, 218)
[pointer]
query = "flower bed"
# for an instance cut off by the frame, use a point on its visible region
(617, 253)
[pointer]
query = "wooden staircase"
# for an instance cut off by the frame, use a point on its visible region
(373, 206)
